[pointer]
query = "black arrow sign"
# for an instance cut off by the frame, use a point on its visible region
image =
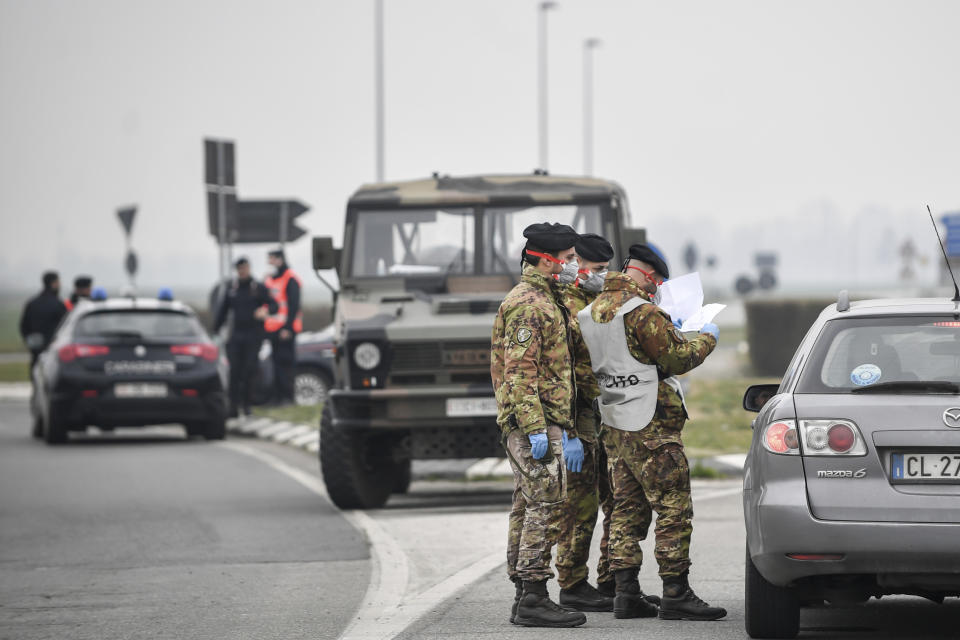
(266, 221)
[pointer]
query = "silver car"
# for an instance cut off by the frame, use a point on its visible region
(852, 484)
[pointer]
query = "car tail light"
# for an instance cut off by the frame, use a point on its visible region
(189, 393)
(831, 438)
(781, 437)
(946, 324)
(70, 352)
(199, 350)
(90, 393)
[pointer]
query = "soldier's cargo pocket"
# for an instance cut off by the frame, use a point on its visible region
(540, 480)
(670, 469)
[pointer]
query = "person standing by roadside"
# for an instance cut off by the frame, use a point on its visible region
(532, 373)
(635, 352)
(246, 304)
(283, 325)
(41, 316)
(81, 289)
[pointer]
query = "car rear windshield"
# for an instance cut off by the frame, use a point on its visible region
(138, 324)
(855, 353)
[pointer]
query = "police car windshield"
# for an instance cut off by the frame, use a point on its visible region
(414, 242)
(503, 229)
(893, 353)
(138, 324)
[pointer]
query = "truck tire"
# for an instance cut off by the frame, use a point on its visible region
(54, 429)
(771, 611)
(357, 476)
(401, 477)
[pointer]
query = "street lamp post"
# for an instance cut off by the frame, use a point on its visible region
(542, 79)
(378, 80)
(589, 45)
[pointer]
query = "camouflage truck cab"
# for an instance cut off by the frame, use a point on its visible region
(422, 271)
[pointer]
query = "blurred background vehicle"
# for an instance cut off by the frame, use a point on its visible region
(316, 354)
(129, 362)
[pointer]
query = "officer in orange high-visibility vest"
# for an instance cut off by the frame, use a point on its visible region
(282, 326)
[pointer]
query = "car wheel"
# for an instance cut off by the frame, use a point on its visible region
(401, 477)
(215, 429)
(357, 473)
(309, 387)
(771, 611)
(54, 429)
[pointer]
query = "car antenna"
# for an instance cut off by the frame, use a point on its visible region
(956, 289)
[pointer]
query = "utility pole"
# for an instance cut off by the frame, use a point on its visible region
(589, 45)
(542, 80)
(378, 80)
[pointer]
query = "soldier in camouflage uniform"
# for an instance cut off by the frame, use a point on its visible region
(643, 413)
(532, 373)
(588, 486)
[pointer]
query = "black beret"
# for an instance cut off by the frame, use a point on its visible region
(645, 254)
(82, 282)
(551, 236)
(594, 248)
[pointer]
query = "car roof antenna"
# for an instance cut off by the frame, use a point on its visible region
(956, 289)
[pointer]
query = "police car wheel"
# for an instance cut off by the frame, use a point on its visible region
(771, 611)
(357, 473)
(215, 429)
(309, 387)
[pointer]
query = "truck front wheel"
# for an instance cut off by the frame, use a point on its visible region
(357, 468)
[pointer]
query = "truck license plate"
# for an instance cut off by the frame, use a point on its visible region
(925, 467)
(460, 407)
(140, 390)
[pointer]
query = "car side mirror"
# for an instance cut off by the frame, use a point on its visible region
(757, 395)
(324, 255)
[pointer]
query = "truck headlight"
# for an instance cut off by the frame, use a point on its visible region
(367, 355)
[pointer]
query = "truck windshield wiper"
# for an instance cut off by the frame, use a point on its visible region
(932, 386)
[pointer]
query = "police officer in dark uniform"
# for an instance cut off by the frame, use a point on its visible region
(81, 289)
(41, 316)
(246, 303)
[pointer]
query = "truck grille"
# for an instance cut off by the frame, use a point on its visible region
(435, 356)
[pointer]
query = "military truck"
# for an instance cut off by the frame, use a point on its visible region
(423, 269)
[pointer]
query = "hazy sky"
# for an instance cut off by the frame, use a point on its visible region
(741, 125)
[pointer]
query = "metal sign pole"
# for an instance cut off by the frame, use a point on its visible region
(284, 215)
(221, 205)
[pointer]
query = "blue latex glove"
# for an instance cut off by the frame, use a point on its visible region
(573, 453)
(678, 323)
(538, 445)
(712, 329)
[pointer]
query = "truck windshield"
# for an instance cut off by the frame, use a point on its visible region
(856, 353)
(413, 242)
(441, 241)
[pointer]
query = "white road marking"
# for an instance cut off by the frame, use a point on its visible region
(267, 432)
(387, 610)
(291, 433)
(305, 439)
(15, 391)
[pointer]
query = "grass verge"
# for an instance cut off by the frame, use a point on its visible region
(291, 413)
(718, 423)
(14, 372)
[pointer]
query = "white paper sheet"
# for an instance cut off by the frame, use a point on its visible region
(682, 298)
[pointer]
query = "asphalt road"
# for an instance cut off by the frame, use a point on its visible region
(146, 535)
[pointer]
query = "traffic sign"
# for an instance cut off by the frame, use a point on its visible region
(130, 264)
(126, 215)
(267, 221)
(218, 163)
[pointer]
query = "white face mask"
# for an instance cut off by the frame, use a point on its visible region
(594, 281)
(569, 273)
(657, 298)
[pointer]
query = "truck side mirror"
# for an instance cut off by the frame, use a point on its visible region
(757, 395)
(324, 255)
(630, 237)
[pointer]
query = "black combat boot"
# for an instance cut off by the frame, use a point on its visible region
(607, 588)
(516, 599)
(681, 603)
(630, 601)
(536, 609)
(584, 597)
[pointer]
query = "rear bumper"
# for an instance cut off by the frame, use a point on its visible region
(413, 408)
(779, 522)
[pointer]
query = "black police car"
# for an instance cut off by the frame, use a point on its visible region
(130, 362)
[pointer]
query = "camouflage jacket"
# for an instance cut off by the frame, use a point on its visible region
(530, 361)
(575, 299)
(653, 339)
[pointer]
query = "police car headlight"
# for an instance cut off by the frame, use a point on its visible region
(367, 355)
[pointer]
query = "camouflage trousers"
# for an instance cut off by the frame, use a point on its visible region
(587, 491)
(645, 478)
(539, 491)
